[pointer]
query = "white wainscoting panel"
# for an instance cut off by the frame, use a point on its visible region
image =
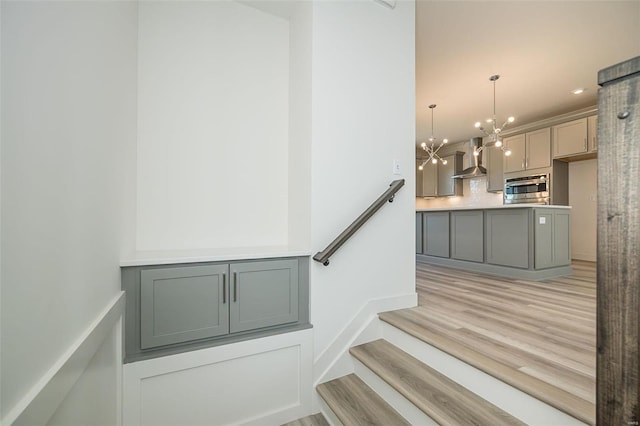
(262, 381)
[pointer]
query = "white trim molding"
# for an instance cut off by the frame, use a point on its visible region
(359, 330)
(38, 405)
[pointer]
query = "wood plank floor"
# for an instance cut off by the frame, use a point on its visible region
(543, 329)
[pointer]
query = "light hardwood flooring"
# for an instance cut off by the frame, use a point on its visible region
(544, 330)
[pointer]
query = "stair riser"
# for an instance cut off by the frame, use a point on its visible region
(328, 413)
(403, 406)
(515, 402)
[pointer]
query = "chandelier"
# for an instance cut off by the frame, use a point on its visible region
(494, 134)
(430, 148)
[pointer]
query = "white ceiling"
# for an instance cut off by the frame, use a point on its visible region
(541, 49)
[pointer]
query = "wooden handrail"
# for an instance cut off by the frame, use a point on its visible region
(324, 255)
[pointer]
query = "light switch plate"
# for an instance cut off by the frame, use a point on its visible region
(542, 220)
(396, 167)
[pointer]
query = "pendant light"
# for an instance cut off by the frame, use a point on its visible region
(494, 134)
(430, 146)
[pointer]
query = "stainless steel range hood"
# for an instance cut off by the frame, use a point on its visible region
(475, 168)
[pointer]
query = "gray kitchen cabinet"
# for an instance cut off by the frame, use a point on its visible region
(183, 304)
(426, 180)
(592, 132)
(531, 150)
(179, 307)
(419, 233)
(435, 226)
(467, 235)
(263, 294)
(447, 186)
(507, 237)
(494, 162)
(552, 239)
(570, 138)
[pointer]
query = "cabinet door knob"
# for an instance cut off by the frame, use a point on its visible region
(623, 115)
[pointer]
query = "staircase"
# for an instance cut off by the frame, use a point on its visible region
(412, 377)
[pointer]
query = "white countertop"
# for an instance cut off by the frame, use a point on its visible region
(165, 257)
(504, 206)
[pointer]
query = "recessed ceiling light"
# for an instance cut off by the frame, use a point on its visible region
(578, 91)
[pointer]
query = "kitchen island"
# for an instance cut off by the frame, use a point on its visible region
(522, 241)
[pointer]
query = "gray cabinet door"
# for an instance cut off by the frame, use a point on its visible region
(507, 237)
(435, 226)
(543, 234)
(570, 138)
(562, 237)
(495, 180)
(447, 186)
(263, 294)
(183, 304)
(538, 149)
(426, 180)
(552, 238)
(419, 233)
(467, 235)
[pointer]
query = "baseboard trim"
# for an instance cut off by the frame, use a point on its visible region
(354, 329)
(38, 405)
(503, 271)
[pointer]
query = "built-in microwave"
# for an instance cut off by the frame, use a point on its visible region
(529, 189)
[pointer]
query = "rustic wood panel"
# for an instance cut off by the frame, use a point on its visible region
(538, 336)
(618, 244)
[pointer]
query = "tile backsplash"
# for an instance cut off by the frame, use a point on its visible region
(475, 195)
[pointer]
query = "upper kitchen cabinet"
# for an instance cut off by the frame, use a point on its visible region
(447, 186)
(495, 179)
(570, 138)
(592, 132)
(435, 180)
(426, 180)
(575, 140)
(530, 150)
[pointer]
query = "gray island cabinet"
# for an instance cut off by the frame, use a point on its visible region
(517, 241)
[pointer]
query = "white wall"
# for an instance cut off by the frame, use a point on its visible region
(583, 190)
(68, 194)
(363, 118)
(213, 109)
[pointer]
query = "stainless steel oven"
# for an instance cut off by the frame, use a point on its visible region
(529, 189)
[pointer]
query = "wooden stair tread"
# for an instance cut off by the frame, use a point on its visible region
(312, 420)
(442, 399)
(407, 321)
(355, 403)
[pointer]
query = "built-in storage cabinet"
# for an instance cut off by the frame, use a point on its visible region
(171, 308)
(507, 237)
(577, 139)
(435, 180)
(531, 150)
(467, 235)
(552, 238)
(494, 163)
(435, 226)
(570, 138)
